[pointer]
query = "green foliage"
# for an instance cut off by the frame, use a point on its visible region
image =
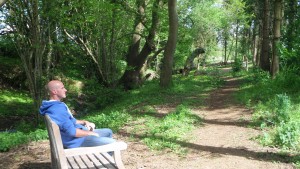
(113, 119)
(11, 73)
(237, 65)
(7, 47)
(276, 107)
(275, 111)
(170, 131)
(15, 103)
(10, 140)
(105, 96)
(287, 135)
(115, 108)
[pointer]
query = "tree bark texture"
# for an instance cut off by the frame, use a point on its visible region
(277, 33)
(255, 40)
(136, 57)
(30, 43)
(265, 48)
(167, 63)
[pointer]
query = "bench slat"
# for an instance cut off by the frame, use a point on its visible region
(80, 162)
(108, 157)
(87, 162)
(82, 157)
(72, 163)
(96, 161)
(104, 161)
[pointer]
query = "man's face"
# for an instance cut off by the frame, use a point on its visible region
(61, 91)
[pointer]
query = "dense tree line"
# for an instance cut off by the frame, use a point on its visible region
(122, 40)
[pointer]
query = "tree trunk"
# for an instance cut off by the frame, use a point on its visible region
(255, 43)
(236, 40)
(30, 44)
(166, 72)
(132, 77)
(264, 55)
(277, 34)
(225, 51)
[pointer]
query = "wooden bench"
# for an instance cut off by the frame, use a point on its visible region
(82, 157)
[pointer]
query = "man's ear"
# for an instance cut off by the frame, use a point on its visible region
(53, 91)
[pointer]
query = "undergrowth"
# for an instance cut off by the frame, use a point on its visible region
(276, 105)
(170, 131)
(117, 108)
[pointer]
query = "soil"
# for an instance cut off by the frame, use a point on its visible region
(224, 141)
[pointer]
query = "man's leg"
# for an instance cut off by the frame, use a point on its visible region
(105, 138)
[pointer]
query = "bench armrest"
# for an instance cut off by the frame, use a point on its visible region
(116, 146)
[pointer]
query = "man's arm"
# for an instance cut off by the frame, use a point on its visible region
(84, 133)
(89, 125)
(83, 122)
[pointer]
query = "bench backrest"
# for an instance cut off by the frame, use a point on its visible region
(58, 158)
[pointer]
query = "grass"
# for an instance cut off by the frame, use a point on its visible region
(15, 103)
(169, 131)
(121, 109)
(276, 108)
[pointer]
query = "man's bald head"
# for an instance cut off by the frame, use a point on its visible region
(56, 90)
(53, 84)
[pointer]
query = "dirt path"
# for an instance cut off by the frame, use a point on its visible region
(223, 142)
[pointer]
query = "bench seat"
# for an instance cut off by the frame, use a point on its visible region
(83, 157)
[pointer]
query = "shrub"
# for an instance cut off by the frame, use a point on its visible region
(288, 135)
(237, 65)
(9, 140)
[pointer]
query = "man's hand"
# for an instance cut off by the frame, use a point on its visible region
(90, 126)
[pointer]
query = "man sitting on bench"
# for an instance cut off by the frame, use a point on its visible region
(74, 133)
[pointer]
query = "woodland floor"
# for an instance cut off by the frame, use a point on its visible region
(224, 141)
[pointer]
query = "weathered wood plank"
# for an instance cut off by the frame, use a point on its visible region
(80, 162)
(83, 157)
(96, 162)
(58, 158)
(104, 161)
(108, 158)
(87, 162)
(116, 146)
(72, 163)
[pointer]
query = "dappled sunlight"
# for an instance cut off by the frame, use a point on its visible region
(221, 150)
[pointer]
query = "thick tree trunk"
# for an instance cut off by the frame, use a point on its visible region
(166, 72)
(264, 55)
(132, 77)
(277, 34)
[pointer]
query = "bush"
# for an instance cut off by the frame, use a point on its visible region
(288, 135)
(237, 65)
(9, 140)
(274, 112)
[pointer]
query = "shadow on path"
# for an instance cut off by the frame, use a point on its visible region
(35, 165)
(241, 152)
